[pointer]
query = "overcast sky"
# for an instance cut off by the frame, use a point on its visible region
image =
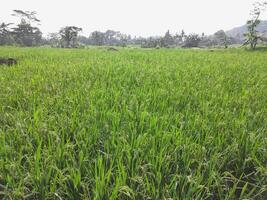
(135, 17)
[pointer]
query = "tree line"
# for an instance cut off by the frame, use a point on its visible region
(28, 33)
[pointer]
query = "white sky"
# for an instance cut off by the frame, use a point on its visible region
(135, 17)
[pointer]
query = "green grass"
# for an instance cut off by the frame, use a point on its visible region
(134, 124)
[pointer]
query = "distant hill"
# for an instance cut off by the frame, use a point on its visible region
(238, 32)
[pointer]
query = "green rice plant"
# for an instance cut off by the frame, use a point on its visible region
(133, 124)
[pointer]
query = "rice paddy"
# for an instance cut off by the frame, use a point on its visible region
(133, 124)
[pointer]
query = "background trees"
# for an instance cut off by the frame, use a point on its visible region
(252, 35)
(5, 34)
(167, 40)
(25, 33)
(97, 38)
(151, 42)
(192, 40)
(221, 38)
(109, 38)
(69, 35)
(53, 39)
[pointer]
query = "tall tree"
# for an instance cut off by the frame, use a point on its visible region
(25, 33)
(110, 37)
(252, 35)
(221, 38)
(192, 40)
(167, 40)
(97, 38)
(5, 34)
(179, 38)
(69, 35)
(53, 39)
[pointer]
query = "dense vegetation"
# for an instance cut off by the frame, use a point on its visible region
(27, 33)
(133, 124)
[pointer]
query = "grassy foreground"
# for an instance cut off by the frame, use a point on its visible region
(133, 124)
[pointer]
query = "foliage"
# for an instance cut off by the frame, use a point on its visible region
(25, 34)
(155, 42)
(151, 42)
(222, 38)
(109, 38)
(133, 124)
(26, 16)
(54, 40)
(5, 35)
(179, 38)
(69, 35)
(252, 35)
(98, 38)
(192, 40)
(167, 40)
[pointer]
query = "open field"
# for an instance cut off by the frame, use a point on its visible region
(133, 124)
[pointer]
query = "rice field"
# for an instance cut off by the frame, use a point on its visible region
(134, 124)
